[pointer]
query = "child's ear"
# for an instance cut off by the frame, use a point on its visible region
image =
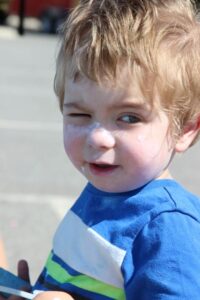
(189, 134)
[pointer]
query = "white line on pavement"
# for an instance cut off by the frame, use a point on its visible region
(8, 33)
(28, 125)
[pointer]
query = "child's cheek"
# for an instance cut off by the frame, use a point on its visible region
(72, 136)
(145, 143)
(151, 145)
(144, 146)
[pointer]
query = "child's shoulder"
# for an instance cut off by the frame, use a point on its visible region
(173, 215)
(184, 201)
(161, 198)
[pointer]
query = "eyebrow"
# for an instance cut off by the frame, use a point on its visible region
(77, 105)
(127, 105)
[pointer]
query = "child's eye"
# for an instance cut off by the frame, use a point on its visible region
(79, 115)
(78, 119)
(131, 119)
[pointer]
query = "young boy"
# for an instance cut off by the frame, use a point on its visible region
(128, 84)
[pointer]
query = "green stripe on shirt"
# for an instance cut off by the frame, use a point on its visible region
(83, 281)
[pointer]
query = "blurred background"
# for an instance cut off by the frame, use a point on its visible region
(44, 15)
(37, 182)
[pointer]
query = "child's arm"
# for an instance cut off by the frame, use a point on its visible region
(53, 295)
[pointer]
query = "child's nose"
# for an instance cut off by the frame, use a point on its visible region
(101, 138)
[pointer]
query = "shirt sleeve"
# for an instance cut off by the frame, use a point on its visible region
(166, 258)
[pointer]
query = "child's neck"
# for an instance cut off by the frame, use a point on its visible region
(165, 175)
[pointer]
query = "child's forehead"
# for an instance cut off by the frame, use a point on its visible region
(125, 75)
(119, 85)
(118, 82)
(123, 90)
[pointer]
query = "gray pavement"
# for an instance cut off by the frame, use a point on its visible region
(38, 183)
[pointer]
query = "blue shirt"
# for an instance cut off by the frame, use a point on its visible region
(139, 245)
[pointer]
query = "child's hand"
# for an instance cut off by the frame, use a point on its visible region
(52, 295)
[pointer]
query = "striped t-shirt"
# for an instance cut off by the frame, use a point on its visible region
(139, 245)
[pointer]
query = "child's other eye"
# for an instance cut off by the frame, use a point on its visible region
(131, 119)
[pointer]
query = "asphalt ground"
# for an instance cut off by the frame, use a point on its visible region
(37, 182)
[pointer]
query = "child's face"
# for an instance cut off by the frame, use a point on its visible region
(114, 137)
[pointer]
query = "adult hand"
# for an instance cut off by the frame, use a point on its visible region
(53, 295)
(23, 273)
(23, 270)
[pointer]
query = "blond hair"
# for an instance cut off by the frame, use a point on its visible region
(158, 40)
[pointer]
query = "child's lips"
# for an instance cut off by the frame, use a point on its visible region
(102, 168)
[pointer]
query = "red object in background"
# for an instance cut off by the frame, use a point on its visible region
(35, 8)
(51, 13)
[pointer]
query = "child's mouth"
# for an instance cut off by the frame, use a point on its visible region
(102, 168)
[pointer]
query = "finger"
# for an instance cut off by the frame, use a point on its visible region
(23, 270)
(15, 298)
(53, 295)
